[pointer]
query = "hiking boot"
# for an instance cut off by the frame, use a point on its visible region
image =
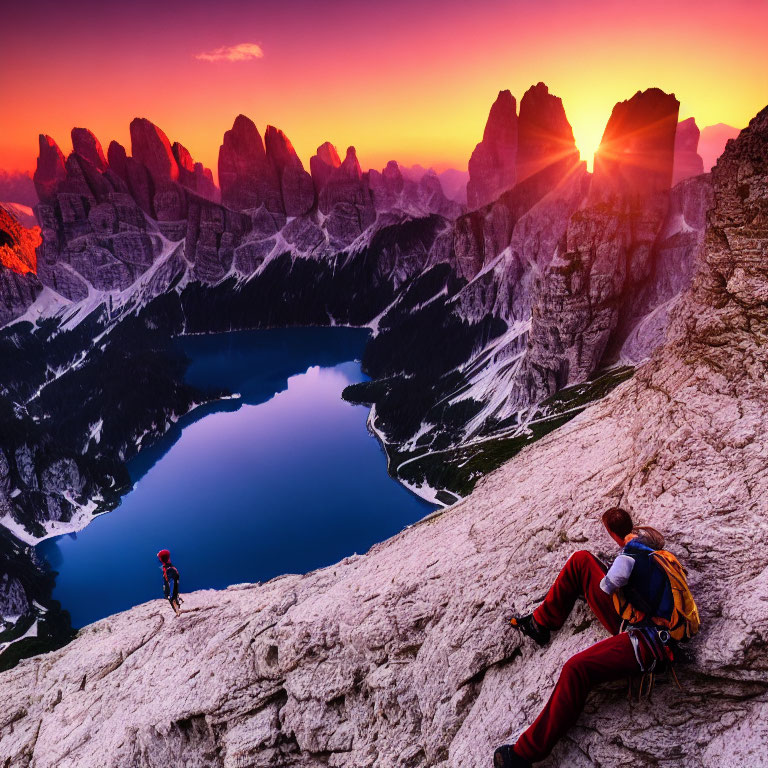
(528, 626)
(506, 757)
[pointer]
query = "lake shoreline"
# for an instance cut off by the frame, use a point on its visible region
(285, 480)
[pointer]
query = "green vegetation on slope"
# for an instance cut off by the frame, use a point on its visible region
(455, 470)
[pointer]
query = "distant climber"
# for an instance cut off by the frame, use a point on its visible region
(170, 574)
(642, 600)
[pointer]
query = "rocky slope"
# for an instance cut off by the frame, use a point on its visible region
(402, 657)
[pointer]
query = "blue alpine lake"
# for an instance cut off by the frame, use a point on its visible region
(284, 479)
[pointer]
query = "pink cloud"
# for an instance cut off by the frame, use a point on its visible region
(241, 52)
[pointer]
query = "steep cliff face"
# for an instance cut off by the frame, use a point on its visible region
(194, 176)
(296, 186)
(85, 144)
(343, 194)
(94, 230)
(403, 656)
(50, 171)
(545, 135)
(674, 255)
(246, 179)
(18, 265)
(579, 309)
(515, 148)
(493, 164)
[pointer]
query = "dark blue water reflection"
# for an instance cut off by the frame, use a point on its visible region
(284, 480)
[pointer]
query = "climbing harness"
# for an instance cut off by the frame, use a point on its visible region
(659, 644)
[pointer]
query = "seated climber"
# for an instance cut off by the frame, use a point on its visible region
(644, 588)
(170, 574)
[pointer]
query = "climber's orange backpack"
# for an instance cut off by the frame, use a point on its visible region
(674, 608)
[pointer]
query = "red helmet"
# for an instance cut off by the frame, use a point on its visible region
(163, 555)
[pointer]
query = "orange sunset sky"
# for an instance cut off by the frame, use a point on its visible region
(411, 81)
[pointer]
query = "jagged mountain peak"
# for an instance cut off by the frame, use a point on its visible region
(50, 171)
(636, 152)
(85, 144)
(17, 244)
(544, 134)
(501, 118)
(493, 164)
(328, 154)
(351, 165)
(151, 147)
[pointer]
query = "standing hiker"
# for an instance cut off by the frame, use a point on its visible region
(170, 574)
(646, 588)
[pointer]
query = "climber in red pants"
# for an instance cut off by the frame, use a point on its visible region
(614, 658)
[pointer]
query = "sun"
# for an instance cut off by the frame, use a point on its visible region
(588, 131)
